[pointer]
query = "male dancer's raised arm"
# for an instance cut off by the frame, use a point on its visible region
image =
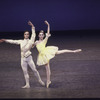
(33, 32)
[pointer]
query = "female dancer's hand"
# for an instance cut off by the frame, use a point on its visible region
(30, 23)
(46, 22)
(48, 34)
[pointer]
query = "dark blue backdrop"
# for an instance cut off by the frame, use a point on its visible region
(61, 14)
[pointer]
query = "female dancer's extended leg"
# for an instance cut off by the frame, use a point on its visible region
(67, 51)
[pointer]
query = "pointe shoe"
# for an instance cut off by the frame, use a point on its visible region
(41, 82)
(48, 83)
(26, 86)
(78, 50)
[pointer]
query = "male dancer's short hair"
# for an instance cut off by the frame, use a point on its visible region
(26, 31)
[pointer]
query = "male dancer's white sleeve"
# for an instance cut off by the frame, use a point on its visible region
(33, 35)
(13, 41)
(31, 41)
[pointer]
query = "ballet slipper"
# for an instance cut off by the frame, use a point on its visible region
(78, 50)
(26, 86)
(41, 82)
(48, 83)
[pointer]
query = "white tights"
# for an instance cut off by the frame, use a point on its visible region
(24, 63)
(48, 72)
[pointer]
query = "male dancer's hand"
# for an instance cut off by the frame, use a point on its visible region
(2, 40)
(30, 23)
(46, 22)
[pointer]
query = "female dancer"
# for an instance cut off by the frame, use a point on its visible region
(47, 53)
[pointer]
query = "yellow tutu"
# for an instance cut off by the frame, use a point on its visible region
(45, 53)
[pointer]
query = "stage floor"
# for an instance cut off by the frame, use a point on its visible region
(73, 75)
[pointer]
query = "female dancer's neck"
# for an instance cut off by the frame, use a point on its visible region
(40, 39)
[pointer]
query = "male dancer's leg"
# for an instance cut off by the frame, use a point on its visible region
(33, 67)
(24, 68)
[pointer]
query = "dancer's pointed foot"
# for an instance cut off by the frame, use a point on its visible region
(48, 83)
(26, 86)
(78, 50)
(41, 82)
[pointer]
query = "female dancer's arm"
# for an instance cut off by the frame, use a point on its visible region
(48, 31)
(35, 44)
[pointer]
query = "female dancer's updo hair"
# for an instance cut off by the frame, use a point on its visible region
(41, 31)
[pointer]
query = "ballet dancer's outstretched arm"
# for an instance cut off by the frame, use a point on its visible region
(2, 40)
(48, 30)
(33, 31)
(33, 35)
(10, 41)
(19, 41)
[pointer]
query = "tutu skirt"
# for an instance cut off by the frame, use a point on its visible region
(45, 55)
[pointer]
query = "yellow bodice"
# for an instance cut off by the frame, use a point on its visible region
(41, 46)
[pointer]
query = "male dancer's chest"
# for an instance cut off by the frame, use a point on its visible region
(25, 45)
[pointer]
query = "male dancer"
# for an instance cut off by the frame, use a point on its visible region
(26, 58)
